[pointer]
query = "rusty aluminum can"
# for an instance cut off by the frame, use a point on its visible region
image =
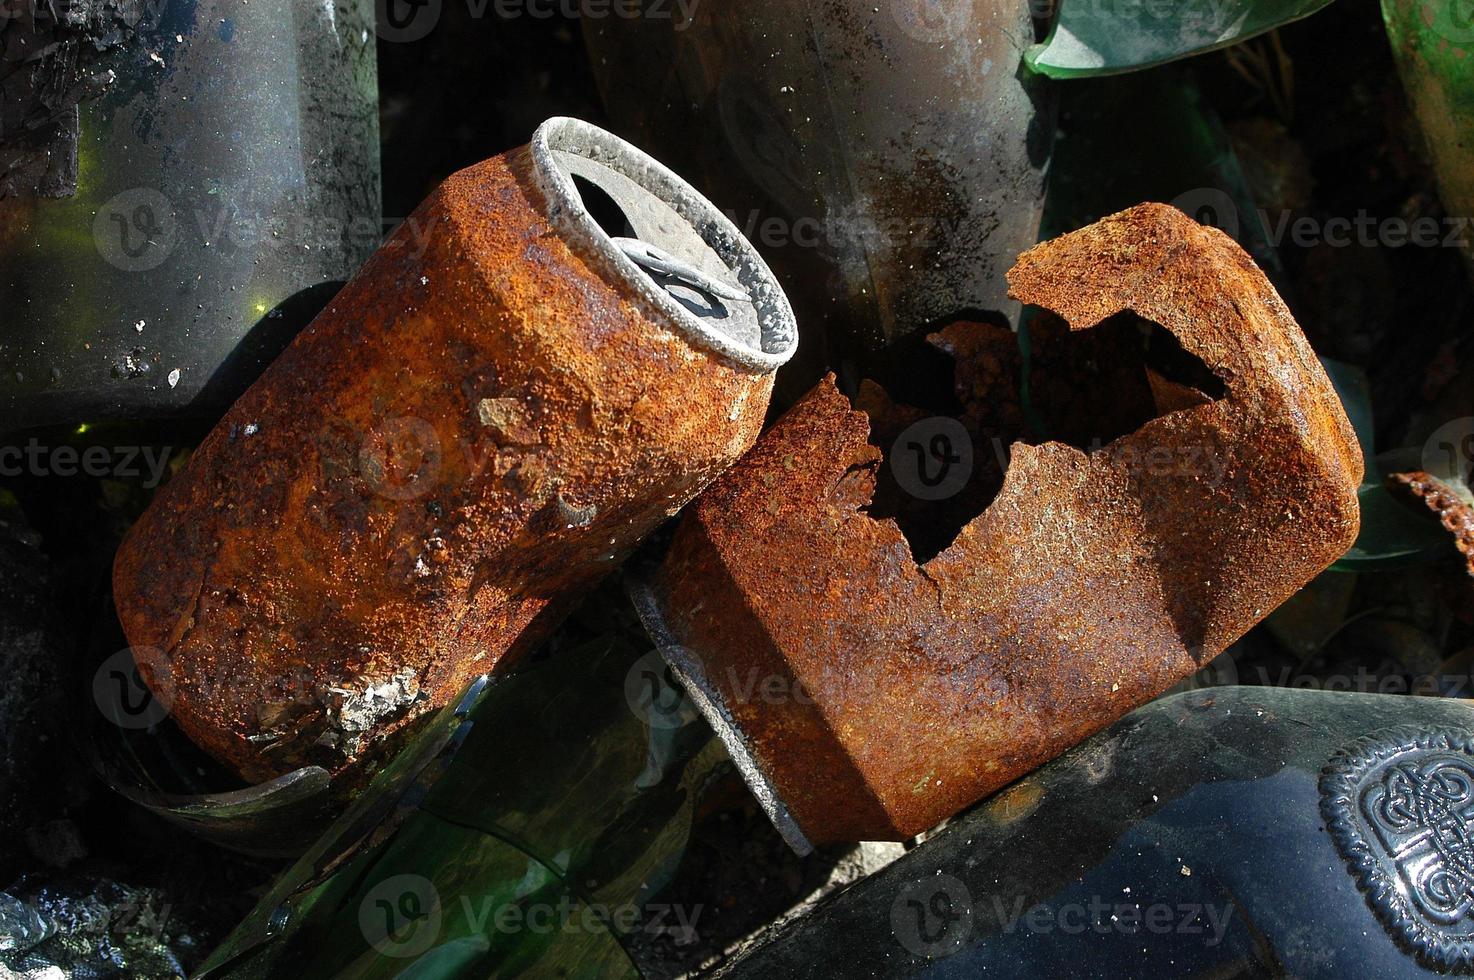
(487, 419)
(867, 696)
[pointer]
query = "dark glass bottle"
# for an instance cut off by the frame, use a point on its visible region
(34, 787)
(888, 160)
(228, 179)
(1224, 832)
(524, 833)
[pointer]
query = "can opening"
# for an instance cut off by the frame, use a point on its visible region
(603, 208)
(672, 248)
(698, 291)
(947, 453)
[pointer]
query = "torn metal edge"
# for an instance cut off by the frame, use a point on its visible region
(692, 676)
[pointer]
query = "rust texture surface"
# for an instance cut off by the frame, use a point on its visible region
(1456, 516)
(478, 427)
(879, 696)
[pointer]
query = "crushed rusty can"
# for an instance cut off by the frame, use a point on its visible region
(868, 693)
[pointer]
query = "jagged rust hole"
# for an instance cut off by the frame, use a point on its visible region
(1090, 387)
(1086, 389)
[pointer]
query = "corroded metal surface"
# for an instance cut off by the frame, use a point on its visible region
(484, 422)
(879, 696)
(1456, 516)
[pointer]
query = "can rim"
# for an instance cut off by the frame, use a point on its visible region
(686, 666)
(779, 330)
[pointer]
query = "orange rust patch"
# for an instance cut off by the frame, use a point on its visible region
(1453, 513)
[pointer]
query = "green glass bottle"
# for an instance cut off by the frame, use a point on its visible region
(225, 182)
(1433, 44)
(527, 831)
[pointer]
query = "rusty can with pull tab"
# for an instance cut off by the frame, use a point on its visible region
(561, 347)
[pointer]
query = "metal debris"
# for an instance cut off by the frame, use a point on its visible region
(1453, 511)
(879, 696)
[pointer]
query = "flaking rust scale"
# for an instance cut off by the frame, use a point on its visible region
(484, 422)
(1456, 516)
(866, 696)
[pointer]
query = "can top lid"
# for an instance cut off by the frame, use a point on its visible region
(675, 250)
